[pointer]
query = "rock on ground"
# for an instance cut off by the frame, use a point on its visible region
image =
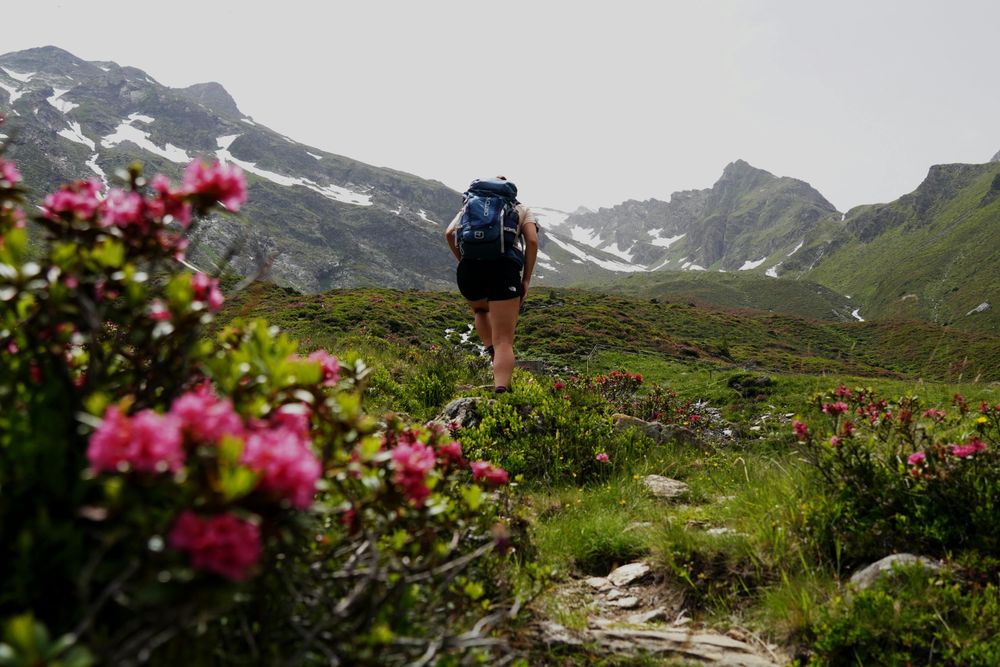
(664, 487)
(867, 576)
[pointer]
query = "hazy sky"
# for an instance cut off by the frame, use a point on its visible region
(580, 103)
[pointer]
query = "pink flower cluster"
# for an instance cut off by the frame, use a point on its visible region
(223, 544)
(329, 365)
(9, 173)
(973, 447)
(484, 471)
(837, 408)
(602, 457)
(80, 199)
(412, 462)
(146, 442)
(206, 290)
(278, 451)
(282, 456)
(218, 181)
(801, 429)
(450, 453)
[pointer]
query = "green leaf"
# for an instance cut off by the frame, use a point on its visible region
(236, 482)
(473, 497)
(109, 253)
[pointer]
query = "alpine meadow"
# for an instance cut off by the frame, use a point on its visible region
(246, 418)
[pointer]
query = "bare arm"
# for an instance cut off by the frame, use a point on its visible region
(530, 232)
(450, 234)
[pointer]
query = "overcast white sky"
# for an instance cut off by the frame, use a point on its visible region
(580, 103)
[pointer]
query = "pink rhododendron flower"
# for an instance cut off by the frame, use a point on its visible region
(412, 463)
(78, 199)
(558, 386)
(205, 417)
(220, 181)
(973, 447)
(842, 392)
(329, 365)
(916, 458)
(146, 442)
(602, 457)
(169, 202)
(9, 172)
(206, 290)
(837, 408)
(450, 452)
(936, 415)
(157, 311)
(286, 464)
(223, 544)
(294, 416)
(835, 441)
(847, 428)
(487, 472)
(801, 429)
(122, 209)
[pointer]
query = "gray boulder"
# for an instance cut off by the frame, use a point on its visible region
(867, 576)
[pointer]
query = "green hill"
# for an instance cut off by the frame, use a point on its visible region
(565, 326)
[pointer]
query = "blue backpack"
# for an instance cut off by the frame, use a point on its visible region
(487, 228)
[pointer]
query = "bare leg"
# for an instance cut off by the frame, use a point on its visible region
(503, 319)
(481, 310)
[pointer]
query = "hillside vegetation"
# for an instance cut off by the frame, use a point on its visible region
(564, 326)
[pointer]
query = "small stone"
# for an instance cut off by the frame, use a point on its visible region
(664, 487)
(614, 594)
(598, 583)
(629, 574)
(867, 576)
(720, 531)
(630, 602)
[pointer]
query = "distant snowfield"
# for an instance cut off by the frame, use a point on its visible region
(14, 93)
(661, 242)
(604, 264)
(63, 105)
(856, 314)
(773, 271)
(334, 192)
(796, 249)
(613, 249)
(96, 168)
(17, 76)
(126, 132)
(549, 218)
(587, 237)
(318, 157)
(748, 264)
(691, 266)
(75, 133)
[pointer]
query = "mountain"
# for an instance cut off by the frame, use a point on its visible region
(930, 255)
(749, 220)
(314, 220)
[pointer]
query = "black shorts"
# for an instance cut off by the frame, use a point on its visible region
(493, 280)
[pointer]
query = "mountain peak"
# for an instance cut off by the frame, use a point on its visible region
(996, 158)
(213, 96)
(742, 167)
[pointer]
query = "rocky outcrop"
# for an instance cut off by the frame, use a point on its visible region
(886, 567)
(658, 432)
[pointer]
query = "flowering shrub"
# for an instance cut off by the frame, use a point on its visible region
(904, 475)
(551, 431)
(146, 470)
(621, 389)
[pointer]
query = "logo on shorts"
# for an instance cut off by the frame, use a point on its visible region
(512, 289)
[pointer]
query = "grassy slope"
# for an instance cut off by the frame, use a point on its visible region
(738, 290)
(569, 326)
(938, 262)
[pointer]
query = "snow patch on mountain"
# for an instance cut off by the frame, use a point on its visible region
(96, 168)
(587, 237)
(603, 263)
(334, 192)
(662, 242)
(318, 157)
(856, 314)
(773, 271)
(75, 133)
(691, 266)
(796, 249)
(14, 93)
(127, 132)
(613, 249)
(63, 105)
(423, 216)
(750, 264)
(549, 218)
(17, 76)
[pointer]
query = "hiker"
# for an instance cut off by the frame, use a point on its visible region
(494, 237)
